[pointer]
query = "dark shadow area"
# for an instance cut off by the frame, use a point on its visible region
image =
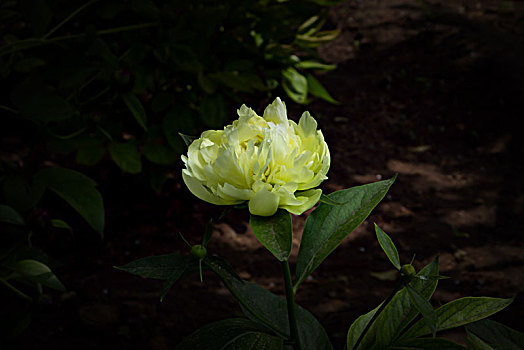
(433, 93)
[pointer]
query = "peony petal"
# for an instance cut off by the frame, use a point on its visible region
(263, 160)
(230, 192)
(202, 192)
(311, 198)
(264, 203)
(307, 124)
(320, 176)
(276, 112)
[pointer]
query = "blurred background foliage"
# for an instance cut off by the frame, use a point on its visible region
(90, 83)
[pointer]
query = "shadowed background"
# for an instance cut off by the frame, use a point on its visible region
(430, 90)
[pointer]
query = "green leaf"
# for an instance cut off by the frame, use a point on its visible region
(60, 224)
(458, 313)
(315, 65)
(315, 88)
(497, 335)
(126, 156)
(425, 308)
(137, 110)
(231, 334)
(213, 110)
(177, 273)
(221, 268)
(158, 154)
(274, 309)
(78, 191)
(274, 232)
(168, 267)
(90, 154)
(295, 85)
(388, 247)
(21, 194)
(475, 343)
(397, 315)
(160, 267)
(270, 310)
(327, 200)
(45, 108)
(428, 344)
(315, 39)
(187, 139)
(37, 272)
(9, 215)
(358, 326)
(327, 226)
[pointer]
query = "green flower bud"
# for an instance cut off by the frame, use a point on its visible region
(199, 251)
(270, 162)
(407, 272)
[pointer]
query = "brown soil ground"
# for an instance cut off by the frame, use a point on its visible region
(433, 93)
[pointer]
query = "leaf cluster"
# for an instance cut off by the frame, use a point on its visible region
(24, 268)
(405, 320)
(121, 80)
(86, 82)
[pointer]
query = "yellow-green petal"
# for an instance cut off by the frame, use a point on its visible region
(310, 197)
(270, 162)
(197, 188)
(264, 203)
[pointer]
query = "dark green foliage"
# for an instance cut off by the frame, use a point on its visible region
(397, 315)
(328, 225)
(384, 326)
(93, 76)
(487, 334)
(21, 264)
(403, 321)
(232, 334)
(388, 247)
(269, 310)
(91, 81)
(168, 267)
(78, 191)
(274, 232)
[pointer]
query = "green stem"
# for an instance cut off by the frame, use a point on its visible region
(9, 109)
(30, 43)
(382, 306)
(68, 18)
(16, 290)
(291, 307)
(126, 28)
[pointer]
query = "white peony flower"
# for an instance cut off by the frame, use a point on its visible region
(270, 162)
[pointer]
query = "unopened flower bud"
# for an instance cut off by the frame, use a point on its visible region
(199, 251)
(407, 272)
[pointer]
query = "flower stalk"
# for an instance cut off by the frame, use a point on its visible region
(291, 307)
